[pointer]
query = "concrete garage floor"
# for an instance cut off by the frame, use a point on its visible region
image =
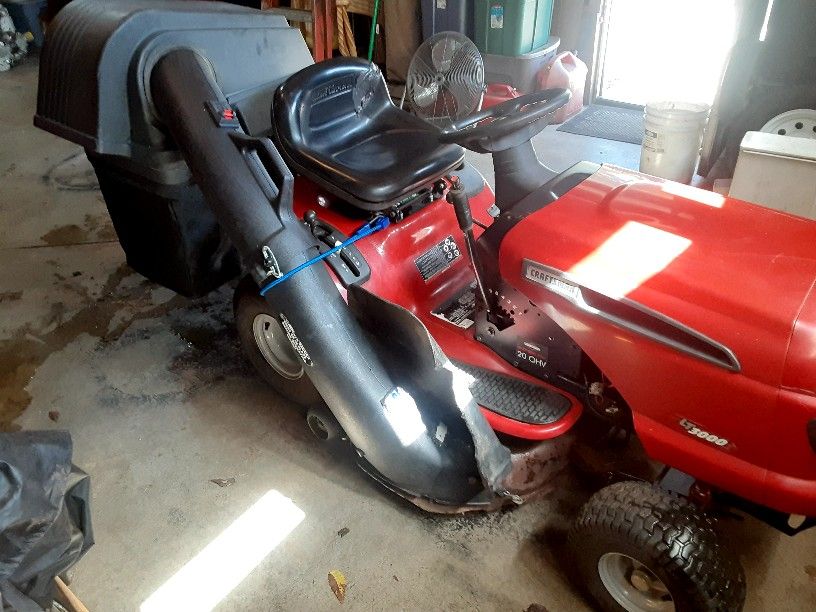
(160, 402)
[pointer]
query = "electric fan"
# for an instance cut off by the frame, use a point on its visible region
(445, 79)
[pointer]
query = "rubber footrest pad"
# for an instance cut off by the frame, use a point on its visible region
(515, 399)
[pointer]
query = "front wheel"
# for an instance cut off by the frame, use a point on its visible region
(638, 548)
(267, 347)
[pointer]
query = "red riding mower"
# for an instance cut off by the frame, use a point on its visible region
(463, 344)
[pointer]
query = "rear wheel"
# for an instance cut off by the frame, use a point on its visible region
(636, 547)
(267, 347)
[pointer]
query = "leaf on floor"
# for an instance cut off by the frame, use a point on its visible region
(337, 582)
(223, 482)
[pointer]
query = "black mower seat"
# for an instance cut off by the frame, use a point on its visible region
(335, 124)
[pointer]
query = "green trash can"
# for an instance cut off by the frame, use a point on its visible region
(512, 27)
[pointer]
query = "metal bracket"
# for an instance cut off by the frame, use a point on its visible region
(676, 481)
(271, 266)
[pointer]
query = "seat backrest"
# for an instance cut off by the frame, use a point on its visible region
(313, 107)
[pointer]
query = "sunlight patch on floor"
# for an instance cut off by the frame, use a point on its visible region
(221, 566)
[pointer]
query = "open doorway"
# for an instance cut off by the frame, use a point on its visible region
(663, 50)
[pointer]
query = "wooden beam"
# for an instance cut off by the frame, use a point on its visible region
(323, 13)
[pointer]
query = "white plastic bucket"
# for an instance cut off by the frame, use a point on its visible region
(671, 143)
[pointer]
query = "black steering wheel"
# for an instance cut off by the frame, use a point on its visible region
(511, 122)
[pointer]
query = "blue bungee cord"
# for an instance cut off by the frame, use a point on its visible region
(375, 225)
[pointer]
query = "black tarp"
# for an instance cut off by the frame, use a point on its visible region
(45, 521)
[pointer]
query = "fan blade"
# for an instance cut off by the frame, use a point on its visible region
(424, 96)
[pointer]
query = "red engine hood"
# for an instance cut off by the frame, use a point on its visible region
(732, 271)
(800, 366)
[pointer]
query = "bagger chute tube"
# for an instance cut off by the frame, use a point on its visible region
(461, 343)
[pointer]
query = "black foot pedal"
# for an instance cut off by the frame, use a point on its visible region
(515, 398)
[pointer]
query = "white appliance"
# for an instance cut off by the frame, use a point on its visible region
(778, 172)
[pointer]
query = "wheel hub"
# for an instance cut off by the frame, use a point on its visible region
(640, 581)
(633, 585)
(275, 347)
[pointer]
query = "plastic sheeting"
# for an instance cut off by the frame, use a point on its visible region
(45, 522)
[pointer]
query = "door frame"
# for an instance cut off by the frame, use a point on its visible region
(598, 57)
(598, 60)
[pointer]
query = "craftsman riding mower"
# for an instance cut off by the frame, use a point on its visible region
(462, 344)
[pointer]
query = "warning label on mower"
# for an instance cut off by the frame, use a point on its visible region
(461, 309)
(438, 258)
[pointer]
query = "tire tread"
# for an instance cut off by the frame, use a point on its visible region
(675, 536)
